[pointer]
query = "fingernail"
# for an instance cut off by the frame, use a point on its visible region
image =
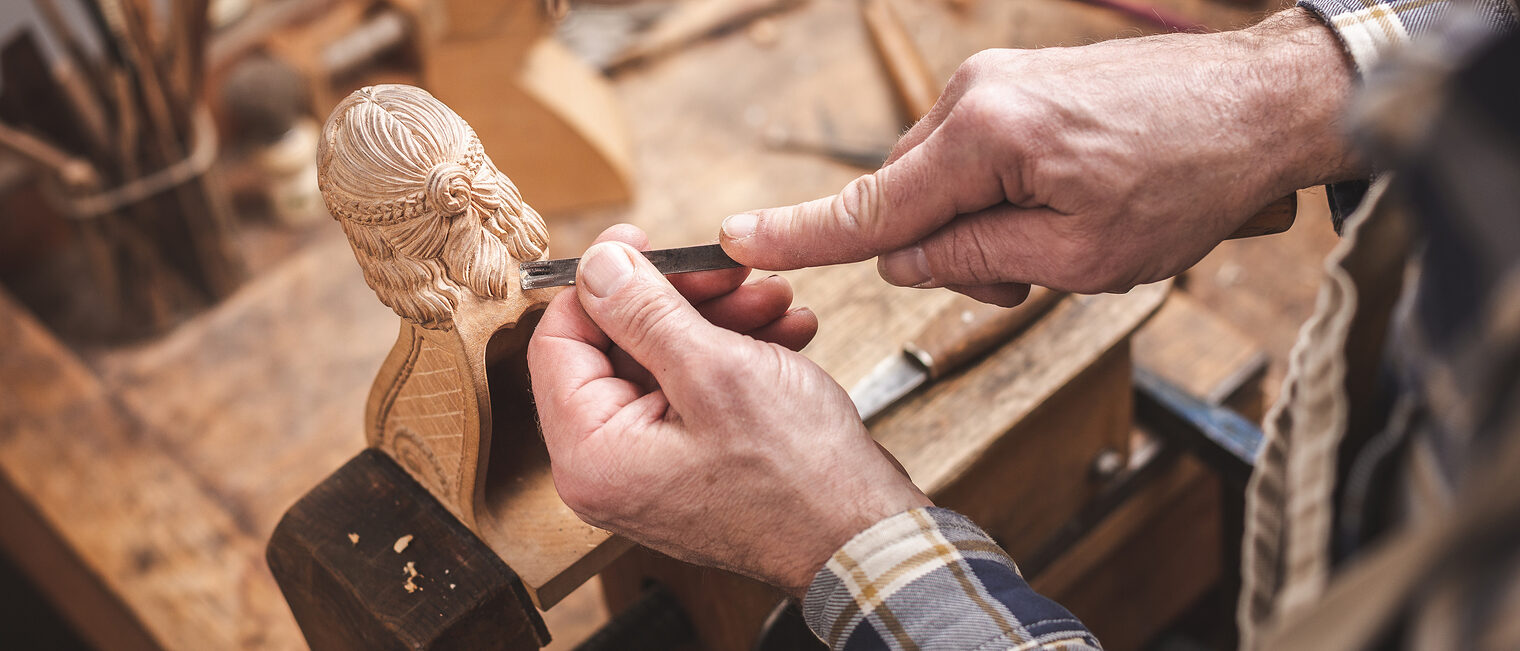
(905, 267)
(740, 226)
(605, 269)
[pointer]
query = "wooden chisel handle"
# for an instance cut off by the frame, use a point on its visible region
(966, 328)
(1275, 218)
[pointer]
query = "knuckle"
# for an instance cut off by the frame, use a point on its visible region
(978, 63)
(968, 256)
(651, 319)
(857, 208)
(586, 498)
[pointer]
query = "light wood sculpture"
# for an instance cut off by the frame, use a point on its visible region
(440, 233)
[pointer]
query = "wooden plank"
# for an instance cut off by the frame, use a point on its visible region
(178, 562)
(1163, 552)
(263, 396)
(1032, 480)
(1150, 559)
(938, 439)
(1200, 352)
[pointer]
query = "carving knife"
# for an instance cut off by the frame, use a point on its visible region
(966, 329)
(957, 334)
(558, 273)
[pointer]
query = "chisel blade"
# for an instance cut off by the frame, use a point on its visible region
(893, 378)
(557, 273)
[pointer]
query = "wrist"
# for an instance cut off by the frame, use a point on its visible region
(1298, 84)
(851, 519)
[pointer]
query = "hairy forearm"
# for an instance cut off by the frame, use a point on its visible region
(1300, 83)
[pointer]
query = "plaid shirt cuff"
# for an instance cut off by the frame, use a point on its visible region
(1372, 29)
(931, 579)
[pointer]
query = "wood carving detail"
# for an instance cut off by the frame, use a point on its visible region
(427, 212)
(439, 233)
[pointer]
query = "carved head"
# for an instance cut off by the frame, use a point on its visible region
(427, 212)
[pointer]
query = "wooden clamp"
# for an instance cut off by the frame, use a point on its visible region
(367, 560)
(440, 233)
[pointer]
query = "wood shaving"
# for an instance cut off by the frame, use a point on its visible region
(402, 542)
(353, 538)
(410, 571)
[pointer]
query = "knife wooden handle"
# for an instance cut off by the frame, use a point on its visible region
(1275, 218)
(966, 328)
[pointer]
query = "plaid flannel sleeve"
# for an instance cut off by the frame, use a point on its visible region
(1372, 29)
(931, 579)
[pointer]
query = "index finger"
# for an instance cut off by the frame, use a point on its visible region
(947, 175)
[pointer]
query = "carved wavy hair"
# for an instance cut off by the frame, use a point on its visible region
(428, 214)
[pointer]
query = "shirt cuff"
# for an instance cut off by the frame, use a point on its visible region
(1373, 29)
(930, 578)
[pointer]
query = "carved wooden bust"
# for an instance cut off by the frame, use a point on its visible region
(440, 233)
(429, 216)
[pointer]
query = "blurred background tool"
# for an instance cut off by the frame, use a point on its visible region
(916, 86)
(692, 22)
(153, 223)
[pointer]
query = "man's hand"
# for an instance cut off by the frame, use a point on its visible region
(1088, 169)
(667, 425)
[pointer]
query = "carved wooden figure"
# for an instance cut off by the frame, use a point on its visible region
(440, 233)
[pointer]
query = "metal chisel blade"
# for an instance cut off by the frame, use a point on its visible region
(893, 378)
(557, 273)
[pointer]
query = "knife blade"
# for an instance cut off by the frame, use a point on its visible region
(557, 273)
(957, 334)
(965, 329)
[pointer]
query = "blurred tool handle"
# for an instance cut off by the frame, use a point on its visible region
(1275, 218)
(966, 328)
(916, 86)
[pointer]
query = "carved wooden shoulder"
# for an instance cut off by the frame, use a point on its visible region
(440, 234)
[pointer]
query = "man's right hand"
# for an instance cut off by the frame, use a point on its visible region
(1089, 169)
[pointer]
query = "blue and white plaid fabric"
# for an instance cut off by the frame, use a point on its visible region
(931, 579)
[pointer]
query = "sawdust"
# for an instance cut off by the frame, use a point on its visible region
(401, 543)
(410, 571)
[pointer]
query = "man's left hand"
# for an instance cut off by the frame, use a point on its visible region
(677, 413)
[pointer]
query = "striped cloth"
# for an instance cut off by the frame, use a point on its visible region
(1371, 30)
(930, 579)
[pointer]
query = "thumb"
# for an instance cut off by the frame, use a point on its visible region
(642, 313)
(878, 212)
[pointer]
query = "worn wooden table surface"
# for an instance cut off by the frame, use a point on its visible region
(147, 478)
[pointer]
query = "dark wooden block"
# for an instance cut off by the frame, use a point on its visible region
(335, 557)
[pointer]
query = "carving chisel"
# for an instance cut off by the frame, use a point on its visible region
(966, 329)
(557, 273)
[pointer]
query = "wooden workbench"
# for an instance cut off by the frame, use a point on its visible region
(138, 485)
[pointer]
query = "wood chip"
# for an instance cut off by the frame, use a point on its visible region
(401, 543)
(353, 538)
(411, 573)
